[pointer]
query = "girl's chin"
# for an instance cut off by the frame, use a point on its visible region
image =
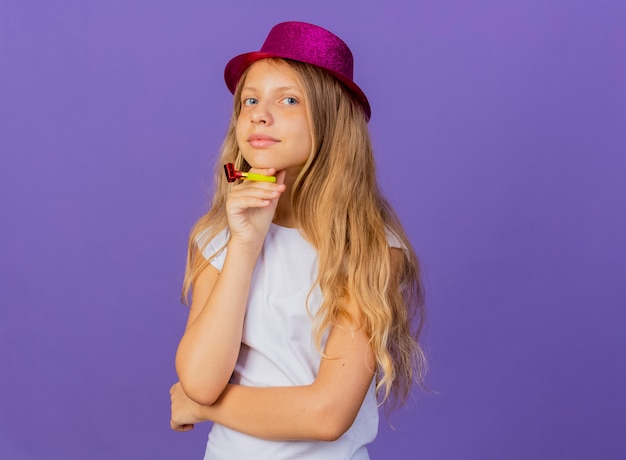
(255, 162)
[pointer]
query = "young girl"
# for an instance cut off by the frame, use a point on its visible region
(306, 300)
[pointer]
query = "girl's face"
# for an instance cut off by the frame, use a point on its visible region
(273, 127)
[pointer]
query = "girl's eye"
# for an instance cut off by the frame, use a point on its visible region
(290, 101)
(250, 101)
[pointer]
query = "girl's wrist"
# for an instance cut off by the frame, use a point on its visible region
(201, 413)
(244, 250)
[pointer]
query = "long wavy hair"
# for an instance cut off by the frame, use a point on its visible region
(349, 222)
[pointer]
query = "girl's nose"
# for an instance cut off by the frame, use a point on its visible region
(261, 115)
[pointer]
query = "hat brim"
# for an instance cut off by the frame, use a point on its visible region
(238, 65)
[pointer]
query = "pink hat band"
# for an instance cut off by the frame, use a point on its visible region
(307, 43)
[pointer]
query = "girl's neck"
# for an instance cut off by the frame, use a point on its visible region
(283, 215)
(282, 222)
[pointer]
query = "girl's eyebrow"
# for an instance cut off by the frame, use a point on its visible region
(288, 88)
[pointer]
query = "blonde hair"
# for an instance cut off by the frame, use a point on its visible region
(351, 236)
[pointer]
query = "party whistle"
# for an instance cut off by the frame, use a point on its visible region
(232, 175)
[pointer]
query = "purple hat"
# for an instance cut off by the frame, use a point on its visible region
(307, 43)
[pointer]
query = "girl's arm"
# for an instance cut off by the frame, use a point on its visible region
(209, 348)
(323, 410)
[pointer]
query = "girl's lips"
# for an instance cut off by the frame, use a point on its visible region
(261, 140)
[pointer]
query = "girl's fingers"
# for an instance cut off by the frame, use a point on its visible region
(250, 202)
(260, 190)
(260, 194)
(250, 184)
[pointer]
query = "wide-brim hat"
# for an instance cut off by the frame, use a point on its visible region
(307, 43)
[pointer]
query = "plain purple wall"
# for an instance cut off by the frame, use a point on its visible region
(500, 131)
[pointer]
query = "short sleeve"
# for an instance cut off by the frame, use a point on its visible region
(215, 249)
(394, 241)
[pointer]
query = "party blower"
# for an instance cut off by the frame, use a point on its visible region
(232, 175)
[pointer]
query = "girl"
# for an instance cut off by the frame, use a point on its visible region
(306, 300)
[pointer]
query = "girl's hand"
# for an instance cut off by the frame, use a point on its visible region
(184, 410)
(250, 207)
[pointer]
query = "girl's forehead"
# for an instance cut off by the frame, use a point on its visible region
(271, 71)
(275, 64)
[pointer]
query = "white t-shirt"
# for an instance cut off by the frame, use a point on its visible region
(278, 350)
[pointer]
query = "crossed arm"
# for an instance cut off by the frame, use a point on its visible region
(323, 410)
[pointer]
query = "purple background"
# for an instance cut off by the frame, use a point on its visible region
(508, 121)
